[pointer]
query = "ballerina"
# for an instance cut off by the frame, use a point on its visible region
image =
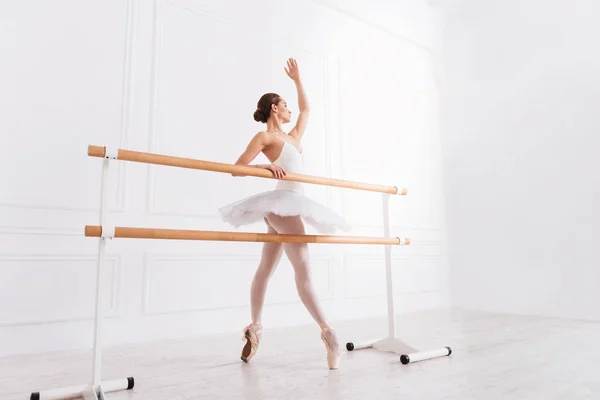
(284, 210)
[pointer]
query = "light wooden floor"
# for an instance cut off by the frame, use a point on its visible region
(495, 357)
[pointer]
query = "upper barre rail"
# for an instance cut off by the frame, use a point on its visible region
(160, 159)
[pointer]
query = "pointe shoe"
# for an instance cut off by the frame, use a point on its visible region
(334, 354)
(252, 334)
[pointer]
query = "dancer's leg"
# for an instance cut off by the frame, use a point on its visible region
(299, 257)
(271, 254)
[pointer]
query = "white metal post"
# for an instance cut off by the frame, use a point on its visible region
(388, 268)
(97, 363)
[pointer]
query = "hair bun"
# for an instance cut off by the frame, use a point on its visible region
(263, 107)
(259, 116)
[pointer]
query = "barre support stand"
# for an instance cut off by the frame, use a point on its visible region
(96, 389)
(391, 343)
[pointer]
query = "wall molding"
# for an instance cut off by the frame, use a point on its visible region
(113, 311)
(149, 258)
(124, 132)
(40, 230)
(381, 261)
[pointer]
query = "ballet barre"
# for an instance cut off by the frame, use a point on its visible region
(178, 234)
(96, 388)
(171, 161)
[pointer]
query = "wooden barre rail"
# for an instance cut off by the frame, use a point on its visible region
(159, 159)
(177, 234)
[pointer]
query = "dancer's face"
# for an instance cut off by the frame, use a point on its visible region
(282, 111)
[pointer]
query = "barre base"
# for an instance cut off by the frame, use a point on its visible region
(407, 353)
(85, 391)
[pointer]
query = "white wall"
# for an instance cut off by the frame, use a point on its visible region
(521, 139)
(411, 20)
(182, 77)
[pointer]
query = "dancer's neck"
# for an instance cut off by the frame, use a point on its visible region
(275, 127)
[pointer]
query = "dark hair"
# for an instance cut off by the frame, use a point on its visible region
(263, 108)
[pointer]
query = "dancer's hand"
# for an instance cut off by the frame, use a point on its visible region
(276, 170)
(292, 70)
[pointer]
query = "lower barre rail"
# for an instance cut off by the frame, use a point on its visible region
(177, 234)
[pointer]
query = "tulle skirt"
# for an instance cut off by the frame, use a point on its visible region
(284, 203)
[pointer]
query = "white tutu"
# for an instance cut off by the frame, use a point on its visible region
(286, 200)
(284, 203)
